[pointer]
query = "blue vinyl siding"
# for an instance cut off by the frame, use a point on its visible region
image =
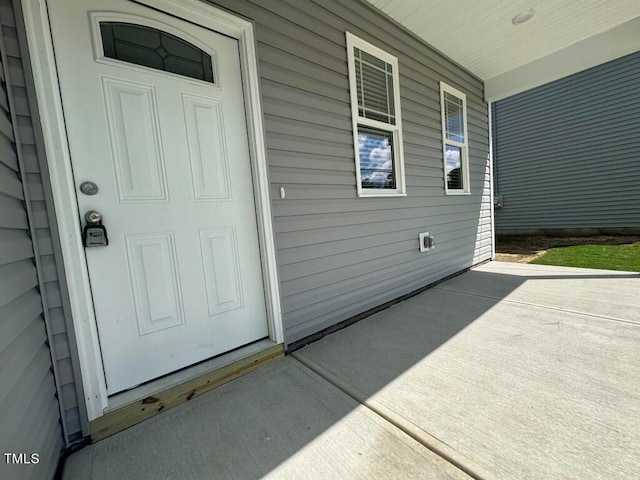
(567, 154)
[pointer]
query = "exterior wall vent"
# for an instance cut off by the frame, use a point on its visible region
(427, 242)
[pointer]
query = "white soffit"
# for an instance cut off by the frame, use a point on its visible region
(480, 35)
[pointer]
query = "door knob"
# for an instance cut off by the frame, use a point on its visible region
(93, 216)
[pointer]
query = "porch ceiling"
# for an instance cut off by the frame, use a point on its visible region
(563, 37)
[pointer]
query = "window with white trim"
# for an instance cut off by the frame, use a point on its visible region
(455, 144)
(375, 111)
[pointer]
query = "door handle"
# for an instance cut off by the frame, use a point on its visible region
(93, 216)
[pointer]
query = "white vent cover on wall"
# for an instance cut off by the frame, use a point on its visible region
(427, 242)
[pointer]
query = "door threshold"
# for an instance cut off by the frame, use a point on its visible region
(133, 406)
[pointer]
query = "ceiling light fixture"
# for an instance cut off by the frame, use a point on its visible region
(523, 17)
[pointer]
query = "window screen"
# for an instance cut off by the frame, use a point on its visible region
(376, 116)
(374, 83)
(454, 117)
(454, 139)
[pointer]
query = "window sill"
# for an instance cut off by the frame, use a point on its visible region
(457, 192)
(380, 195)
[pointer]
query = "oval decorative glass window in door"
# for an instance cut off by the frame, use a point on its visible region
(153, 48)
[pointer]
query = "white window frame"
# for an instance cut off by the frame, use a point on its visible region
(464, 146)
(357, 120)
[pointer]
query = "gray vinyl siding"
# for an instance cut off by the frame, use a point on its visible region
(57, 313)
(567, 154)
(46, 236)
(340, 255)
(29, 407)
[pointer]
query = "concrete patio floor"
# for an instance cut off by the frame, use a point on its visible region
(508, 371)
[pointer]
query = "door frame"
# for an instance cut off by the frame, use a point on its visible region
(38, 33)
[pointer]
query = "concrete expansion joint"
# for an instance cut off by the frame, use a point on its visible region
(544, 307)
(446, 452)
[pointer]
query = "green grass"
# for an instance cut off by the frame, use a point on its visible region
(606, 257)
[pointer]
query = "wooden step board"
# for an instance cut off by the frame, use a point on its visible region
(129, 415)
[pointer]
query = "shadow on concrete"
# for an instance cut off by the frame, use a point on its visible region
(425, 358)
(284, 420)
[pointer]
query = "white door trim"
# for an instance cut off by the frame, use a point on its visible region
(63, 187)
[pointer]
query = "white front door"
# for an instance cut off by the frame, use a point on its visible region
(155, 118)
